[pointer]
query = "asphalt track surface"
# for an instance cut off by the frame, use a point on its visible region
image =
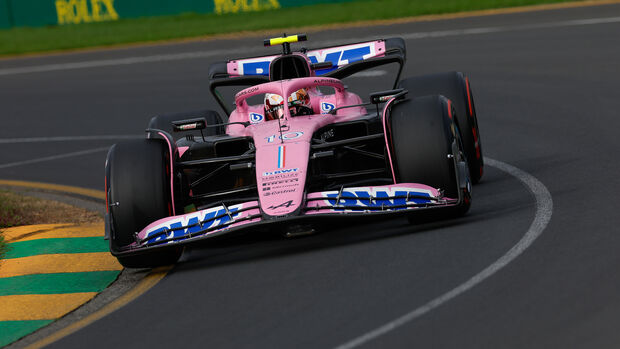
(546, 92)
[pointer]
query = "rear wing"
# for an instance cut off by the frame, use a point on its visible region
(346, 60)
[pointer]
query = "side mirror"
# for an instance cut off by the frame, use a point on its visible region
(189, 124)
(384, 96)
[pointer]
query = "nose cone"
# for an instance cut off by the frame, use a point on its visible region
(281, 175)
(282, 164)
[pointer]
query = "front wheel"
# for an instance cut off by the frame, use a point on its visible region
(138, 193)
(427, 148)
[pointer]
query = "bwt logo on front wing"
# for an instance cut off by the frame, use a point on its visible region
(381, 198)
(206, 216)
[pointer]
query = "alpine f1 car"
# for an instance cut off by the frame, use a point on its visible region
(298, 152)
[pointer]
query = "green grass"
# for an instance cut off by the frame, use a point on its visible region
(9, 217)
(24, 40)
(3, 247)
(10, 211)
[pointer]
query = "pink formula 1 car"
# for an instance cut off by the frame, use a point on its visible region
(297, 153)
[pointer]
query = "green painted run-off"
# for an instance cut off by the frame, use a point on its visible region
(94, 281)
(55, 246)
(54, 283)
(11, 331)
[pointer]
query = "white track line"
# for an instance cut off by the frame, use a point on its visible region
(544, 210)
(486, 30)
(118, 61)
(481, 30)
(53, 157)
(250, 49)
(66, 138)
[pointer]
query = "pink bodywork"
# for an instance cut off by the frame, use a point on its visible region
(281, 164)
(282, 153)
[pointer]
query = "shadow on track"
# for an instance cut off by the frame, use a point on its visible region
(497, 196)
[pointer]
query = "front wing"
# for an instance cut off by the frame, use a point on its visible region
(347, 202)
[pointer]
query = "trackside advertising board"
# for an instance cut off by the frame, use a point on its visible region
(36, 13)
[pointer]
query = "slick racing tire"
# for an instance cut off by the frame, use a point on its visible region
(454, 86)
(164, 122)
(138, 193)
(427, 147)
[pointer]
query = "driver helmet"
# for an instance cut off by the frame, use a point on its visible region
(298, 104)
(274, 106)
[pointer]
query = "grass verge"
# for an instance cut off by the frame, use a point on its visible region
(3, 247)
(27, 40)
(17, 209)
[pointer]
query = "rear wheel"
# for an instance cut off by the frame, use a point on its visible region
(138, 180)
(454, 86)
(427, 148)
